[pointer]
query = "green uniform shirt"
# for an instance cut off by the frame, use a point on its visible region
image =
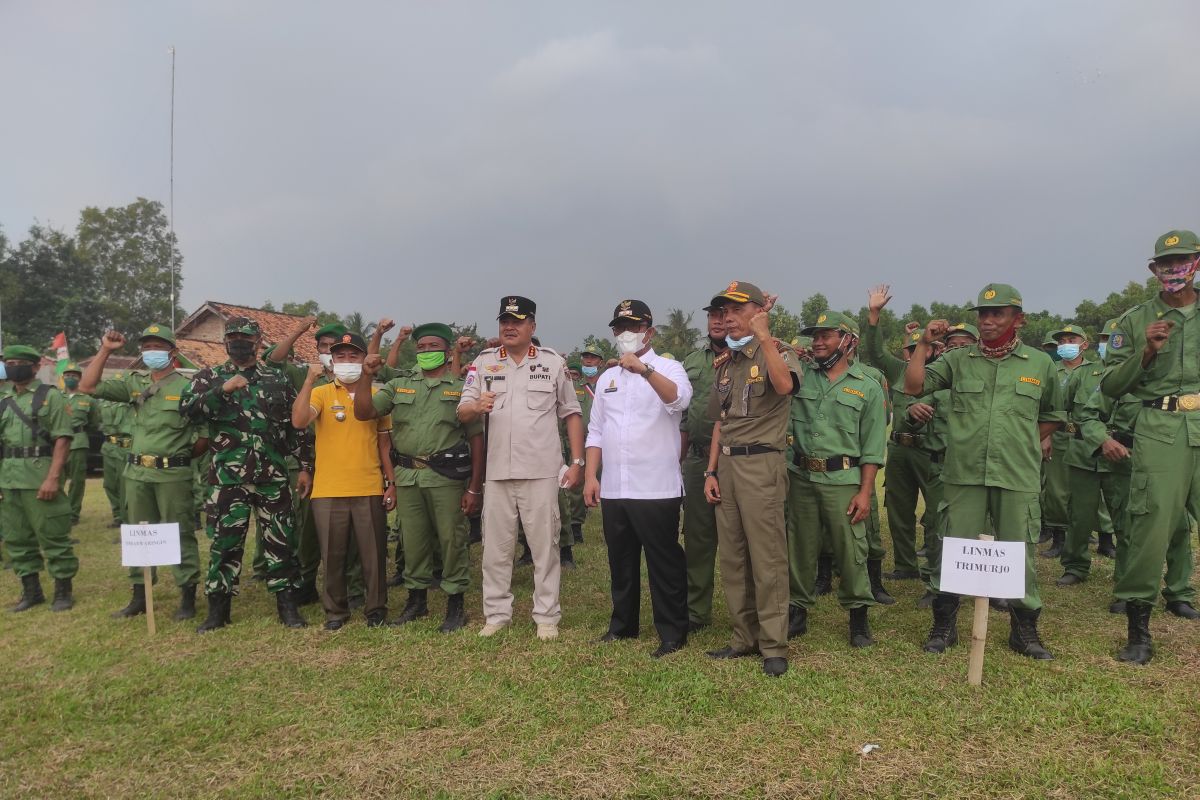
(159, 428)
(743, 399)
(844, 418)
(116, 419)
(586, 394)
(700, 371)
(1097, 416)
(1175, 370)
(424, 421)
(995, 408)
(1061, 438)
(54, 421)
(83, 416)
(893, 369)
(881, 379)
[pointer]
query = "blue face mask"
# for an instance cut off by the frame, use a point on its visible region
(589, 372)
(738, 344)
(1102, 348)
(156, 359)
(1068, 352)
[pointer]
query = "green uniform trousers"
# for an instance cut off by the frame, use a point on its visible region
(431, 521)
(33, 528)
(166, 502)
(752, 540)
(875, 550)
(816, 515)
(1164, 491)
(909, 471)
(1090, 492)
(1017, 517)
(699, 540)
(1056, 500)
(115, 458)
(1177, 581)
(566, 508)
(75, 475)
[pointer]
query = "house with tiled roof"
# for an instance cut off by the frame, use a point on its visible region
(201, 336)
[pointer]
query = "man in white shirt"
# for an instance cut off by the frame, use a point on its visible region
(634, 431)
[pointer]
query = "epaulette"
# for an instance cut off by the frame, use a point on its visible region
(549, 350)
(721, 359)
(487, 350)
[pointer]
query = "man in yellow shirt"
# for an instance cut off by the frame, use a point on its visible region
(353, 483)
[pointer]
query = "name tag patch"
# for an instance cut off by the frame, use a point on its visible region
(402, 390)
(1034, 381)
(854, 392)
(448, 393)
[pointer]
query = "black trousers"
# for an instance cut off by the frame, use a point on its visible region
(631, 526)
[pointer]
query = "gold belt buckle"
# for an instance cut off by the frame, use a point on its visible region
(816, 465)
(148, 461)
(724, 450)
(1189, 402)
(905, 439)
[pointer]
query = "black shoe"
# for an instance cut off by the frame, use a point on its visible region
(1045, 536)
(609, 636)
(456, 615)
(334, 624)
(902, 575)
(566, 558)
(526, 558)
(137, 603)
(187, 602)
(999, 604)
(1117, 607)
(666, 648)
(63, 598)
(1182, 608)
(1106, 547)
(860, 629)
(1140, 648)
(696, 627)
(416, 607)
(926, 600)
(824, 584)
(797, 621)
(875, 574)
(288, 611)
(1059, 538)
(436, 583)
(1023, 638)
(1068, 579)
(944, 632)
(397, 579)
(774, 666)
(356, 602)
(577, 533)
(307, 594)
(219, 605)
(377, 618)
(729, 652)
(31, 593)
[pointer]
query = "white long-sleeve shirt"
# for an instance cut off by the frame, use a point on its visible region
(637, 433)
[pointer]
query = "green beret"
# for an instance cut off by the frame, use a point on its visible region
(334, 329)
(438, 329)
(22, 352)
(157, 331)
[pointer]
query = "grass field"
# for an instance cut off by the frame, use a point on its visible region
(93, 707)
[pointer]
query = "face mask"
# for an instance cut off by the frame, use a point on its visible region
(71, 383)
(589, 372)
(737, 344)
(326, 360)
(629, 342)
(156, 359)
(431, 360)
(1102, 348)
(1178, 279)
(347, 372)
(240, 349)
(1068, 352)
(833, 358)
(3, 374)
(19, 373)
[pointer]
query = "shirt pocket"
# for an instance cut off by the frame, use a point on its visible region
(967, 395)
(1027, 400)
(849, 412)
(540, 395)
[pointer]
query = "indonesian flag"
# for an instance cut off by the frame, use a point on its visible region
(60, 349)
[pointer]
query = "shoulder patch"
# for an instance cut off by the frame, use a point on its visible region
(1027, 379)
(854, 392)
(1116, 341)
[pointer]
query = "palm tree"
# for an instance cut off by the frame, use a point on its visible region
(677, 336)
(356, 322)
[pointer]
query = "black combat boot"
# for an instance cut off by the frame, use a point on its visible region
(577, 532)
(999, 604)
(945, 624)
(1139, 649)
(476, 535)
(926, 600)
(416, 607)
(860, 629)
(824, 584)
(307, 594)
(1045, 535)
(875, 573)
(1106, 547)
(289, 612)
(1055, 549)
(31, 593)
(1117, 607)
(64, 600)
(1023, 638)
(218, 612)
(187, 602)
(456, 615)
(137, 603)
(566, 558)
(797, 621)
(1182, 609)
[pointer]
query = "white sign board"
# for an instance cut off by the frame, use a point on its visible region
(983, 569)
(150, 545)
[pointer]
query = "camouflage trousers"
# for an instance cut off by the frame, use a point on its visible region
(229, 509)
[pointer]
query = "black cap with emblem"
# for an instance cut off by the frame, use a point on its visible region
(516, 306)
(633, 311)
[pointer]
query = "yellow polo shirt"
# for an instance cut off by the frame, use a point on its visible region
(347, 450)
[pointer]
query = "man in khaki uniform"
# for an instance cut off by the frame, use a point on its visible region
(524, 390)
(751, 404)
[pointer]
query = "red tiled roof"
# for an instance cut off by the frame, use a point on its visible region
(274, 324)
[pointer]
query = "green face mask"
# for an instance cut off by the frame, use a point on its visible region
(432, 360)
(71, 383)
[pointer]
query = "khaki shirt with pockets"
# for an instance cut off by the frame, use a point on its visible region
(744, 401)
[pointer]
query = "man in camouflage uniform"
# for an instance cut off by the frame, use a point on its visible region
(247, 405)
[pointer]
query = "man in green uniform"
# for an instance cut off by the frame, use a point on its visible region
(83, 416)
(591, 363)
(433, 506)
(1152, 355)
(158, 470)
(116, 420)
(573, 509)
(1004, 401)
(875, 551)
(839, 430)
(751, 401)
(1070, 342)
(35, 432)
(699, 516)
(247, 405)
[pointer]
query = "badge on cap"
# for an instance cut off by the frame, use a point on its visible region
(732, 286)
(511, 307)
(153, 329)
(822, 318)
(1171, 241)
(989, 294)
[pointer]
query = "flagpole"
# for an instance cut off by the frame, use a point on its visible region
(171, 199)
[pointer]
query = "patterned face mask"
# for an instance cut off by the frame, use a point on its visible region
(1177, 277)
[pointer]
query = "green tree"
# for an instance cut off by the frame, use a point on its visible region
(603, 346)
(677, 336)
(357, 323)
(811, 308)
(1092, 315)
(784, 325)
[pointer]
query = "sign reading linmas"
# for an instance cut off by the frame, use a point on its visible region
(983, 569)
(150, 545)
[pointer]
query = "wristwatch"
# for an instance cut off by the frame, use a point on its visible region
(577, 462)
(710, 473)
(649, 371)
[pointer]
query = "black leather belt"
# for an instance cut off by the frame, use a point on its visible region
(835, 464)
(44, 451)
(1175, 402)
(746, 450)
(120, 441)
(160, 462)
(1071, 428)
(698, 450)
(907, 439)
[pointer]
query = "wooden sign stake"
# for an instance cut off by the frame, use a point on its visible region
(978, 634)
(149, 580)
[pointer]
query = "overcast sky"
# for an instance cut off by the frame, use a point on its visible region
(418, 160)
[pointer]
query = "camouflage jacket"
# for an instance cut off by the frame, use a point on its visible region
(251, 433)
